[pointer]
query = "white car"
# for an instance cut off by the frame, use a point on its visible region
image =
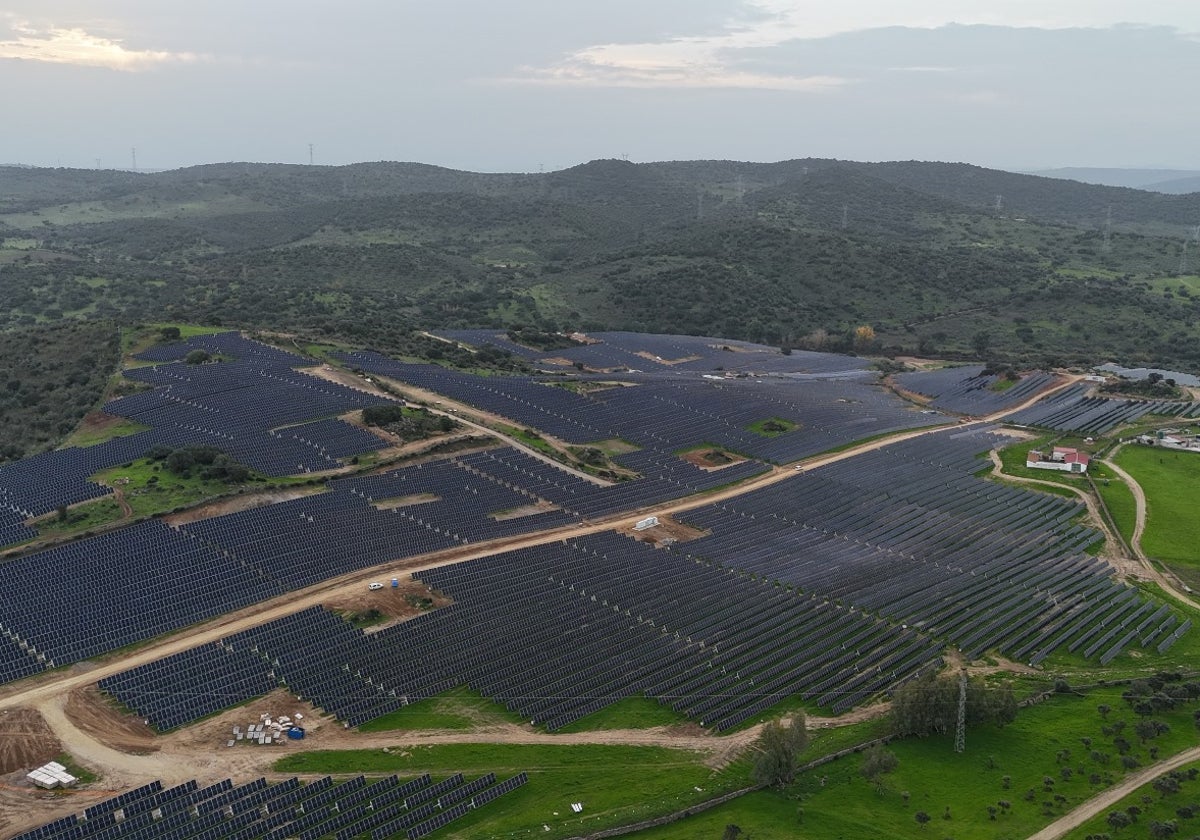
(374, 586)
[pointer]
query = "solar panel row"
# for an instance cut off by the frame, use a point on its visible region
(385, 809)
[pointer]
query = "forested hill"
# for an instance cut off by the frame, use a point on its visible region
(938, 258)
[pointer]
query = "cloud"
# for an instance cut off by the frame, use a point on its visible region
(621, 66)
(58, 45)
(748, 50)
(698, 61)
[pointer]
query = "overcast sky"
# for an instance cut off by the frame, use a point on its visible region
(511, 85)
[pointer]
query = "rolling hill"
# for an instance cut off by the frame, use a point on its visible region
(946, 258)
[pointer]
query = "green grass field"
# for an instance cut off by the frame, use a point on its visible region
(1155, 806)
(631, 713)
(459, 709)
(83, 436)
(1118, 498)
(1171, 482)
(149, 489)
(83, 517)
(616, 784)
(835, 801)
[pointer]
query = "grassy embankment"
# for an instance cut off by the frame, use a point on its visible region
(1171, 481)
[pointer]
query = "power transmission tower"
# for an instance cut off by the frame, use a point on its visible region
(1183, 259)
(999, 203)
(310, 154)
(960, 731)
(845, 216)
(699, 203)
(133, 157)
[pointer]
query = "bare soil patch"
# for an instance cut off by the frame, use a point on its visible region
(733, 348)
(97, 422)
(246, 501)
(408, 600)
(911, 396)
(920, 363)
(344, 377)
(25, 741)
(24, 807)
(523, 510)
(659, 360)
(405, 501)
(614, 446)
(1018, 434)
(667, 532)
(98, 716)
(711, 460)
(216, 732)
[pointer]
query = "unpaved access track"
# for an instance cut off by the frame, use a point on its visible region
(55, 705)
(1168, 585)
(1101, 802)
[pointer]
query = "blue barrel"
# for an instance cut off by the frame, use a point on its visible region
(395, 583)
(296, 733)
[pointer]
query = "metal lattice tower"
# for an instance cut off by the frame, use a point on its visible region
(960, 731)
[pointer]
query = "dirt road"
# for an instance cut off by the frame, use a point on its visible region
(181, 756)
(35, 691)
(1168, 585)
(1101, 802)
(1128, 566)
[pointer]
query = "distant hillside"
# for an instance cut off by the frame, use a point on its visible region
(1177, 186)
(1157, 180)
(1047, 199)
(950, 258)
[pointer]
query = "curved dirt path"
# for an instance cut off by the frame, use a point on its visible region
(1135, 544)
(1118, 560)
(177, 761)
(1107, 799)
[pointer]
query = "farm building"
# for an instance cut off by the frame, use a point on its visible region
(1060, 458)
(1171, 439)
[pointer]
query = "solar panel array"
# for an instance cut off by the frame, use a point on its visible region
(667, 413)
(967, 390)
(1072, 410)
(231, 344)
(647, 351)
(233, 406)
(93, 596)
(910, 533)
(382, 809)
(555, 633)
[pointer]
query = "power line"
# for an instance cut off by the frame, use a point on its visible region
(960, 730)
